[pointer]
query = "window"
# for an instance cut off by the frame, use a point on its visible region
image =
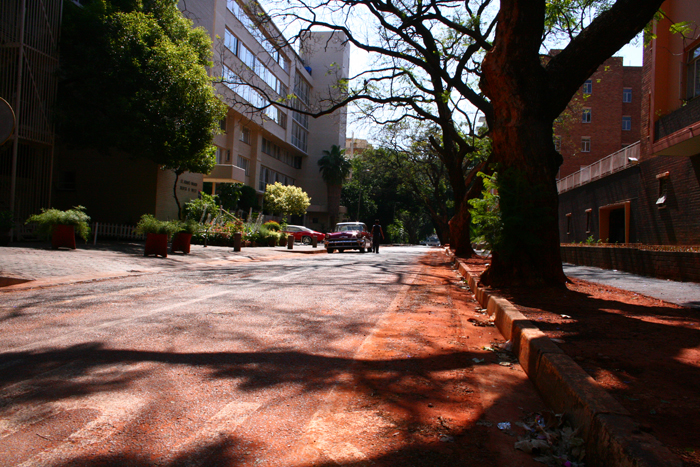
(586, 144)
(589, 218)
(244, 164)
(258, 34)
(301, 88)
(231, 42)
(269, 177)
(557, 143)
(223, 156)
(626, 123)
(568, 223)
(627, 95)
(222, 124)
(694, 73)
(588, 87)
(586, 115)
(663, 179)
(245, 135)
(299, 136)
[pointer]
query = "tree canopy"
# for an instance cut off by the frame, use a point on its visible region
(289, 200)
(133, 78)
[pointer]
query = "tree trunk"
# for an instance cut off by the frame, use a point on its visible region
(177, 201)
(460, 234)
(523, 152)
(333, 204)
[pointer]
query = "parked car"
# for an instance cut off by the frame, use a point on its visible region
(349, 236)
(304, 234)
(431, 241)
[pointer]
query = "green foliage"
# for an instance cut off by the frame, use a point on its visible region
(486, 215)
(334, 166)
(272, 226)
(52, 217)
(149, 224)
(249, 199)
(288, 200)
(229, 195)
(396, 232)
(134, 78)
(189, 226)
(199, 208)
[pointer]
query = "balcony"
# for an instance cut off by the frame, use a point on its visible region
(678, 133)
(608, 165)
(224, 173)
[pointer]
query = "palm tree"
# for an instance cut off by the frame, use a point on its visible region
(335, 169)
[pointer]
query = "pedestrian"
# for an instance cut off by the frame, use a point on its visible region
(377, 233)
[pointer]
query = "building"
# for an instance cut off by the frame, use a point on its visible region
(602, 118)
(29, 31)
(273, 143)
(649, 193)
(355, 146)
(277, 144)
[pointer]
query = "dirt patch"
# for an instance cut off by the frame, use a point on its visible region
(645, 352)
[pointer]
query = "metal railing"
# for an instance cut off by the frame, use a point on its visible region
(615, 162)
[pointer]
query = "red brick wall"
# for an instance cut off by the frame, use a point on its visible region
(678, 266)
(607, 109)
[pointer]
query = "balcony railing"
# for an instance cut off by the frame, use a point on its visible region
(678, 119)
(225, 173)
(608, 165)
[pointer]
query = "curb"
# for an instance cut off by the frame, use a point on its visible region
(612, 437)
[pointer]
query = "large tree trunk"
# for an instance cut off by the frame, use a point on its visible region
(523, 152)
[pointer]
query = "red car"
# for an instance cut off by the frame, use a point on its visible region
(349, 236)
(303, 234)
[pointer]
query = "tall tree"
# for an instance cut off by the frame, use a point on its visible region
(133, 79)
(335, 169)
(527, 94)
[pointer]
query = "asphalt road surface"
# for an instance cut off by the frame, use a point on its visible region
(245, 364)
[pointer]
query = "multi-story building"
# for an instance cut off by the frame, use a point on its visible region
(602, 118)
(649, 193)
(29, 57)
(263, 142)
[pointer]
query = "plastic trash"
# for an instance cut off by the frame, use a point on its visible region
(504, 426)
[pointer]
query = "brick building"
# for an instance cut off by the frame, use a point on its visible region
(648, 193)
(602, 118)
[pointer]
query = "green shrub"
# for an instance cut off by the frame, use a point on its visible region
(199, 208)
(149, 224)
(272, 225)
(52, 217)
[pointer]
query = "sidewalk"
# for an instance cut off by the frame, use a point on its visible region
(30, 265)
(681, 293)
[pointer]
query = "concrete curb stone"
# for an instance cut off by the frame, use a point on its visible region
(612, 437)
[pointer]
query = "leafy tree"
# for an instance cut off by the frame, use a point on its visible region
(439, 61)
(335, 169)
(289, 200)
(133, 79)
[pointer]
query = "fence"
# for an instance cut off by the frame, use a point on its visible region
(610, 164)
(114, 231)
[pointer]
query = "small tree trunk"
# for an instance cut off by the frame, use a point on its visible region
(333, 204)
(177, 201)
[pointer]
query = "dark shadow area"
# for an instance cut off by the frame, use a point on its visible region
(646, 354)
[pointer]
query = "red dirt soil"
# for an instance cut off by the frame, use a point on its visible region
(645, 352)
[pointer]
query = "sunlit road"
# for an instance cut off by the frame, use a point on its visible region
(221, 365)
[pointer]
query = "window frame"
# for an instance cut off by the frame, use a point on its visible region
(627, 119)
(585, 147)
(588, 87)
(693, 73)
(586, 115)
(627, 95)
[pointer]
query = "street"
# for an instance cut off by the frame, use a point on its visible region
(342, 359)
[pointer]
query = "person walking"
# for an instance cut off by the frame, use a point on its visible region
(377, 233)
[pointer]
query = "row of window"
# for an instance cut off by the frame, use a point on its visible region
(587, 115)
(269, 177)
(259, 36)
(251, 61)
(300, 137)
(237, 85)
(271, 149)
(626, 92)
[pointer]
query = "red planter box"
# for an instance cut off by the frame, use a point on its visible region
(63, 236)
(181, 242)
(156, 244)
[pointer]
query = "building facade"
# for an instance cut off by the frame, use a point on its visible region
(602, 118)
(650, 195)
(263, 142)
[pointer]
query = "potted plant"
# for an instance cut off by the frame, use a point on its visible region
(183, 237)
(157, 234)
(62, 226)
(7, 222)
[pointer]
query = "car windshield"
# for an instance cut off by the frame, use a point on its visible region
(349, 227)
